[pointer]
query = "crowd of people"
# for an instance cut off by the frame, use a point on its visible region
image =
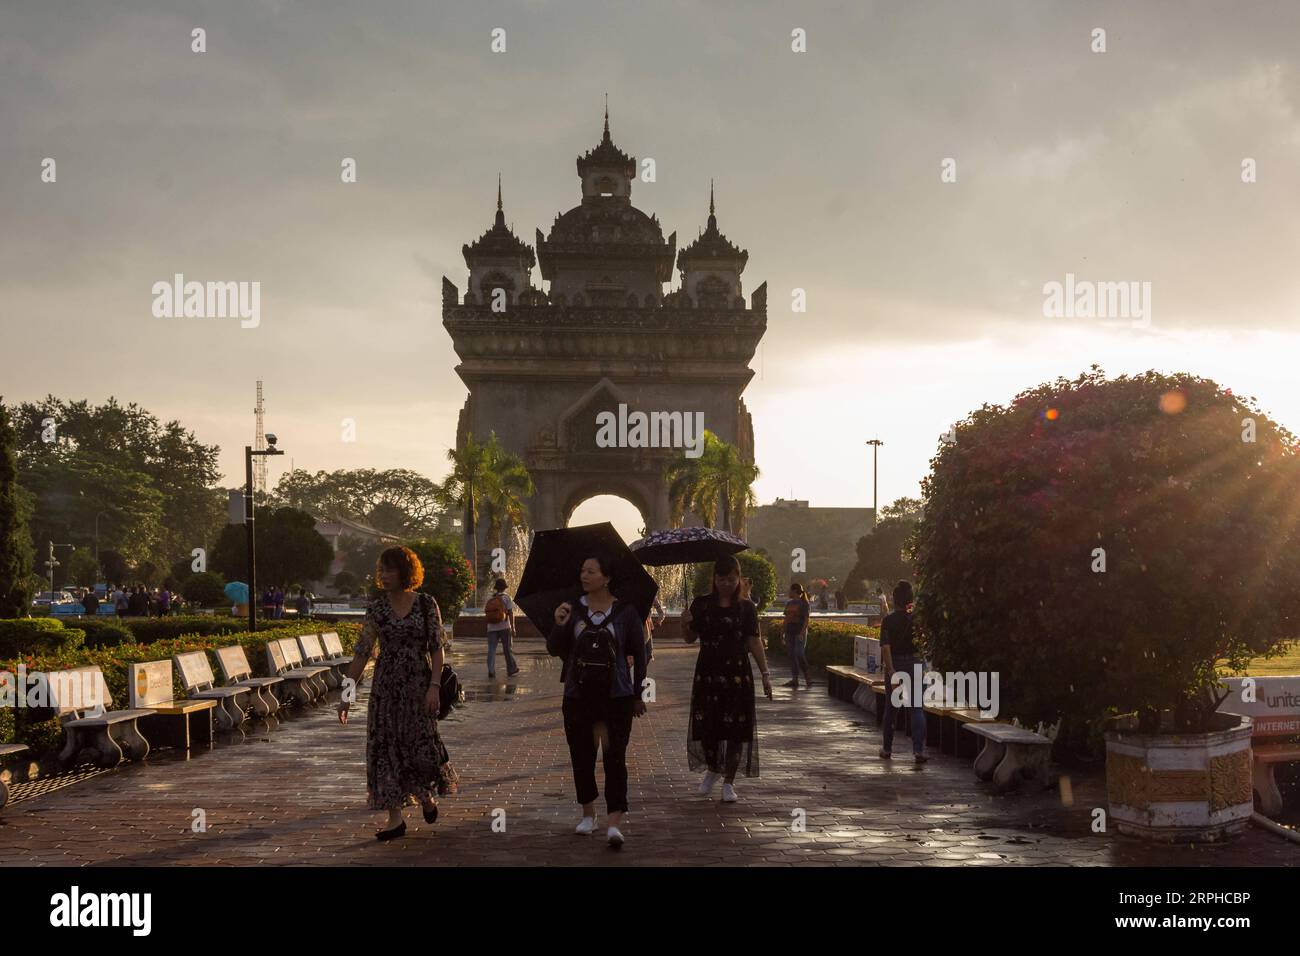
(605, 647)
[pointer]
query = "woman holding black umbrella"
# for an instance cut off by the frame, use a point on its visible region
(723, 733)
(596, 635)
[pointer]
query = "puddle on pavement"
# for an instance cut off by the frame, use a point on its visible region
(487, 692)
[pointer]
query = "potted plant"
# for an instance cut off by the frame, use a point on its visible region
(1107, 546)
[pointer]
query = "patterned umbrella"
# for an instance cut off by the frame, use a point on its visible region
(686, 546)
(237, 591)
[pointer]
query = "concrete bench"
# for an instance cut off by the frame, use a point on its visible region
(313, 653)
(8, 750)
(81, 698)
(238, 673)
(293, 657)
(174, 723)
(304, 683)
(200, 684)
(1010, 753)
(1275, 737)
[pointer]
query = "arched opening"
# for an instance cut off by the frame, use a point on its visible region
(621, 513)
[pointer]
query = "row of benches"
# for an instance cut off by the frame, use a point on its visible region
(303, 669)
(1010, 753)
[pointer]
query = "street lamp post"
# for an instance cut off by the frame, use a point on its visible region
(875, 444)
(249, 452)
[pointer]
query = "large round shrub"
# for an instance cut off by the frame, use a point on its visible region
(760, 571)
(206, 589)
(447, 575)
(1197, 527)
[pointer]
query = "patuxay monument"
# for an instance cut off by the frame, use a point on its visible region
(541, 364)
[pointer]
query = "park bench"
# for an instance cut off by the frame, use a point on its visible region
(313, 653)
(237, 672)
(293, 657)
(81, 698)
(1011, 752)
(1275, 736)
(304, 682)
(173, 723)
(200, 684)
(8, 750)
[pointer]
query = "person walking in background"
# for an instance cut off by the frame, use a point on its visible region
(595, 636)
(302, 604)
(120, 603)
(499, 612)
(90, 603)
(277, 602)
(165, 602)
(405, 757)
(268, 603)
(796, 634)
(722, 735)
(898, 653)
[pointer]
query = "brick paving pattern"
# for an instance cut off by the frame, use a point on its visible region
(295, 795)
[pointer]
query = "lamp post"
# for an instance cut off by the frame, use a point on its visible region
(875, 444)
(249, 452)
(50, 565)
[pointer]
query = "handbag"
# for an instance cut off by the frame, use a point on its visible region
(450, 693)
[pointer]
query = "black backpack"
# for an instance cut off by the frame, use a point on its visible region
(594, 656)
(451, 693)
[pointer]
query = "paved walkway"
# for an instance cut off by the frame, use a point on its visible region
(295, 795)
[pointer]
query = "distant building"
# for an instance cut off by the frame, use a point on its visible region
(828, 536)
(335, 529)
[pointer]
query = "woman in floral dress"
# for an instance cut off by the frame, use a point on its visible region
(405, 757)
(723, 734)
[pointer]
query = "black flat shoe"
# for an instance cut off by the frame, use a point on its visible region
(431, 816)
(393, 834)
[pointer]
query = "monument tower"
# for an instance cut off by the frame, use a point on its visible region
(540, 365)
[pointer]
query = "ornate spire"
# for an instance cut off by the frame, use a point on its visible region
(712, 244)
(499, 241)
(606, 156)
(606, 116)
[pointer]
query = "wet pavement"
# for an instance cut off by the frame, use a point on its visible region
(294, 794)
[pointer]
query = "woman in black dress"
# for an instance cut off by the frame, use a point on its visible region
(405, 757)
(723, 734)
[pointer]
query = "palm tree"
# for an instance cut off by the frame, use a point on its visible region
(485, 476)
(720, 480)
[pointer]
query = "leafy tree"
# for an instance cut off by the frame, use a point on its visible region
(719, 482)
(82, 568)
(150, 483)
(114, 566)
(346, 582)
(396, 501)
(882, 551)
(484, 476)
(288, 547)
(1104, 544)
(15, 542)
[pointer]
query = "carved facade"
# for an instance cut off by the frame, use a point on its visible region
(540, 365)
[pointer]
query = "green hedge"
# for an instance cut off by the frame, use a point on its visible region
(40, 729)
(828, 643)
(148, 630)
(39, 635)
(102, 631)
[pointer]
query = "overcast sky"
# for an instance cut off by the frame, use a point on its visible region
(925, 298)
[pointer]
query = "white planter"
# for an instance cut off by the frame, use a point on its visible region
(1180, 788)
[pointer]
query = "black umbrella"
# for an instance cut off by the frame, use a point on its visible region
(555, 560)
(686, 546)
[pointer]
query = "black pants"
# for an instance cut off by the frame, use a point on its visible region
(607, 723)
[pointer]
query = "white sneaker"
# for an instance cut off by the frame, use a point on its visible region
(615, 838)
(729, 793)
(585, 826)
(706, 785)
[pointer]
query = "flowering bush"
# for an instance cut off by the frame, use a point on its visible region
(1182, 492)
(448, 576)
